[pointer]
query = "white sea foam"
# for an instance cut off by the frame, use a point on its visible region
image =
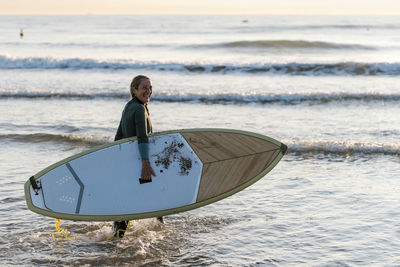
(313, 147)
(217, 97)
(292, 68)
(342, 148)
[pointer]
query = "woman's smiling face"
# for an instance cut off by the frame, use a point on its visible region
(144, 91)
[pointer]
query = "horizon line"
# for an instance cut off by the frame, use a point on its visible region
(197, 14)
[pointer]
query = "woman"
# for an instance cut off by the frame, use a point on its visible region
(135, 121)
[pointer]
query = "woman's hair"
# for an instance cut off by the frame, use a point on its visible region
(136, 82)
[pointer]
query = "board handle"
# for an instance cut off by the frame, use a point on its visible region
(36, 187)
(142, 181)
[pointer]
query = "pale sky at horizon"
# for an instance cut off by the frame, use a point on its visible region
(199, 7)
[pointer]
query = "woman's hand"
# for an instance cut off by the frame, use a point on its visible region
(147, 170)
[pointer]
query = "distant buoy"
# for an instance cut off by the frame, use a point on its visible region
(21, 33)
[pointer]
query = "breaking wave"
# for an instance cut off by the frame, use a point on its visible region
(71, 139)
(297, 148)
(340, 68)
(343, 149)
(284, 99)
(288, 44)
(223, 98)
(60, 95)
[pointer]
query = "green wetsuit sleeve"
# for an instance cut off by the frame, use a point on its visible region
(144, 150)
(141, 133)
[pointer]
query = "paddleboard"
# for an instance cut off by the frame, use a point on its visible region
(194, 168)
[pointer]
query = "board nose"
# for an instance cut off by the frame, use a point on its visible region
(283, 148)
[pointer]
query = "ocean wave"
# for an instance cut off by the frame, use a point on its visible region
(340, 68)
(288, 44)
(61, 95)
(284, 99)
(343, 149)
(366, 27)
(260, 44)
(295, 148)
(216, 98)
(44, 45)
(33, 127)
(319, 27)
(71, 139)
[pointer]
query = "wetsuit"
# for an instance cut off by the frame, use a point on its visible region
(135, 121)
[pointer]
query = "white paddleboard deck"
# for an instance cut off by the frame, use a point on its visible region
(103, 184)
(70, 188)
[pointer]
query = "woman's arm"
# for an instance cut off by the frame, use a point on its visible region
(143, 143)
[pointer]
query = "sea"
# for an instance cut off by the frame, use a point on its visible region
(326, 86)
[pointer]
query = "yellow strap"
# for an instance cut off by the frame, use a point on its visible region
(61, 232)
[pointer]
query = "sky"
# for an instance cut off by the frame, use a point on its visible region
(201, 7)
